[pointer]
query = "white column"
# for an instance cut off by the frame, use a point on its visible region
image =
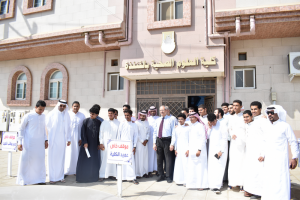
(119, 173)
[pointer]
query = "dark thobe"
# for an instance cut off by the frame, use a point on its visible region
(88, 168)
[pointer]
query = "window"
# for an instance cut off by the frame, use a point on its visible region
(4, 7)
(114, 62)
(116, 82)
(242, 56)
(38, 3)
(55, 85)
(169, 9)
(21, 87)
(244, 78)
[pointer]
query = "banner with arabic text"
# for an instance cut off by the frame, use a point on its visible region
(119, 152)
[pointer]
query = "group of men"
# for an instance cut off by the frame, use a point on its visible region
(196, 150)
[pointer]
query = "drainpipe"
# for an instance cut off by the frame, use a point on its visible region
(129, 35)
(104, 74)
(127, 91)
(237, 26)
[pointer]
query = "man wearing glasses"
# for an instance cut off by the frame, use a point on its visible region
(277, 184)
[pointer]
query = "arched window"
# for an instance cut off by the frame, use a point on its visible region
(55, 85)
(21, 87)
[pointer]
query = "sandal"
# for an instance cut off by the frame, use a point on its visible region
(52, 182)
(135, 182)
(200, 189)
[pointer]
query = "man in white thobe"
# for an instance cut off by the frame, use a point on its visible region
(217, 156)
(108, 131)
(72, 151)
(122, 118)
(141, 154)
(32, 142)
(152, 158)
(128, 130)
(236, 127)
(197, 176)
(181, 133)
(58, 126)
(225, 108)
(277, 183)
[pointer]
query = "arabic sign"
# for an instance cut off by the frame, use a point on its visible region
(119, 152)
(9, 141)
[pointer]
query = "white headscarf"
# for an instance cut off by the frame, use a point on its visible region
(279, 110)
(150, 109)
(143, 112)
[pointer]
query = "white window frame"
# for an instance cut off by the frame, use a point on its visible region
(7, 5)
(118, 84)
(21, 82)
(53, 81)
(243, 69)
(159, 10)
(38, 6)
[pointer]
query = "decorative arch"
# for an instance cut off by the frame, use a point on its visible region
(11, 89)
(44, 91)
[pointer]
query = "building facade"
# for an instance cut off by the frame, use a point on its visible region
(179, 53)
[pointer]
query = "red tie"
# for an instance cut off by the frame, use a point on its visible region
(161, 128)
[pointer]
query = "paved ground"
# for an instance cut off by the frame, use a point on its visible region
(147, 189)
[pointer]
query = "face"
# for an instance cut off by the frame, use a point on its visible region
(193, 119)
(116, 115)
(162, 111)
(152, 113)
(213, 123)
(190, 111)
(184, 112)
(225, 109)
(255, 111)
(127, 117)
(181, 120)
(39, 110)
(230, 109)
(143, 117)
(216, 112)
(125, 108)
(272, 116)
(75, 107)
(237, 107)
(62, 107)
(111, 115)
(247, 118)
(202, 111)
(93, 115)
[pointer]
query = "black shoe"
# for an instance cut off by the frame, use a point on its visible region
(41, 183)
(215, 190)
(160, 179)
(169, 181)
(255, 197)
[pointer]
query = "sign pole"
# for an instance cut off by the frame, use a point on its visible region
(9, 166)
(119, 172)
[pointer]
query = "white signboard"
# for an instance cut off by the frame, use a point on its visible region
(9, 141)
(119, 152)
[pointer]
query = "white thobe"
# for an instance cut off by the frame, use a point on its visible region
(277, 183)
(224, 123)
(108, 131)
(72, 151)
(128, 131)
(218, 136)
(197, 176)
(254, 149)
(236, 172)
(181, 146)
(32, 136)
(141, 154)
(58, 126)
(152, 157)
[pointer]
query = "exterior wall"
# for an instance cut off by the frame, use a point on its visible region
(269, 56)
(66, 14)
(85, 80)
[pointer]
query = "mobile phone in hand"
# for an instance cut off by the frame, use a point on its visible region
(216, 155)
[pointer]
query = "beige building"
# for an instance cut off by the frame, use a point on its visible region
(150, 52)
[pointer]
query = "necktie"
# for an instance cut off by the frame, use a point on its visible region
(161, 128)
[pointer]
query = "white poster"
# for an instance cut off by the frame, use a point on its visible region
(119, 152)
(9, 141)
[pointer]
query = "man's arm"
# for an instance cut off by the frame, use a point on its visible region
(294, 145)
(22, 132)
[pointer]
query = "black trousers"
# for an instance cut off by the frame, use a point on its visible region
(225, 178)
(163, 152)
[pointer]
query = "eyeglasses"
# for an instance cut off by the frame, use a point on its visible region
(270, 112)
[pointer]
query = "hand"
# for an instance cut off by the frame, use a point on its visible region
(260, 159)
(86, 145)
(154, 147)
(171, 147)
(79, 142)
(220, 154)
(293, 164)
(98, 147)
(146, 141)
(133, 150)
(20, 147)
(102, 147)
(198, 153)
(187, 153)
(234, 137)
(69, 143)
(175, 153)
(46, 144)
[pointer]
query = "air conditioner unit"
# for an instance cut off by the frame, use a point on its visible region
(294, 64)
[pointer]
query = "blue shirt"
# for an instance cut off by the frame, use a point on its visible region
(168, 126)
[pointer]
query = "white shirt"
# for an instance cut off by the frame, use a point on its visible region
(167, 131)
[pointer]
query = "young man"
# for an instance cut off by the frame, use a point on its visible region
(185, 111)
(152, 158)
(254, 156)
(277, 183)
(88, 167)
(230, 109)
(236, 127)
(72, 151)
(58, 125)
(181, 150)
(128, 130)
(225, 109)
(99, 108)
(108, 131)
(217, 157)
(122, 118)
(203, 116)
(116, 114)
(197, 160)
(32, 142)
(191, 110)
(141, 155)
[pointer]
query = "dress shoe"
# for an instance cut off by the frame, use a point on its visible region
(169, 181)
(160, 179)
